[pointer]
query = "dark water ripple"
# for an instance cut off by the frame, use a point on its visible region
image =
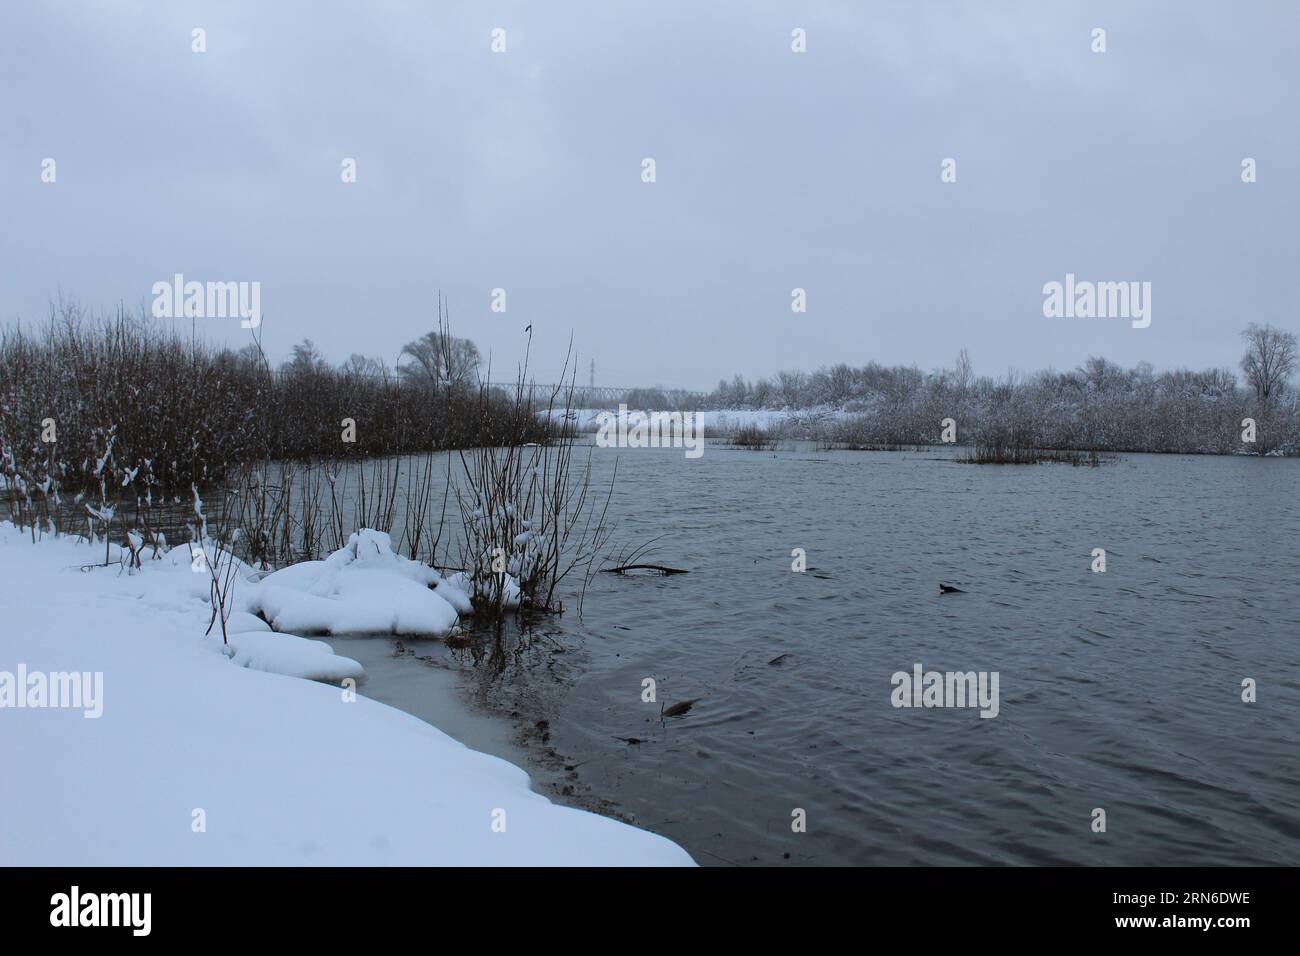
(1118, 690)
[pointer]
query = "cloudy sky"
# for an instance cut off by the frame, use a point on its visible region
(775, 170)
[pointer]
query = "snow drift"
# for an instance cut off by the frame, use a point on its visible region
(196, 762)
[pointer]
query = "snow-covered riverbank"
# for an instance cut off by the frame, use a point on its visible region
(195, 759)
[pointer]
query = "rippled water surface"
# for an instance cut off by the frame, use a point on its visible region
(1119, 690)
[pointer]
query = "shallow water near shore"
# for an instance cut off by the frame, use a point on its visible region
(418, 677)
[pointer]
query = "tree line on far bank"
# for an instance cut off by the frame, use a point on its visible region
(1098, 406)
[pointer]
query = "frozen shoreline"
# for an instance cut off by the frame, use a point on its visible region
(279, 770)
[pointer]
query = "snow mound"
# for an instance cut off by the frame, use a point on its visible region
(363, 588)
(291, 656)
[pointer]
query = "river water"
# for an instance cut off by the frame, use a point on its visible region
(1118, 691)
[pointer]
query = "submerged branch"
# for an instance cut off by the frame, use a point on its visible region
(644, 567)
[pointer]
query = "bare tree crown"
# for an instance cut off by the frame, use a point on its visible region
(1270, 360)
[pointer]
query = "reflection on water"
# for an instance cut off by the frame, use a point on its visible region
(1119, 690)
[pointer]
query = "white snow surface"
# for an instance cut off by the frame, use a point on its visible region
(290, 655)
(284, 771)
(363, 588)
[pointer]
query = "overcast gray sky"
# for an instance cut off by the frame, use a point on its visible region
(775, 170)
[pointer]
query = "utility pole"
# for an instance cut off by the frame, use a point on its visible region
(593, 373)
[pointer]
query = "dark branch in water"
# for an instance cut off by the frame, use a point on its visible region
(644, 567)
